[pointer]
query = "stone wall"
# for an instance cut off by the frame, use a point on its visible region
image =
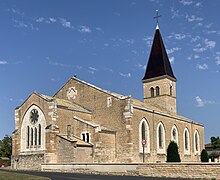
(69, 152)
(174, 170)
(32, 161)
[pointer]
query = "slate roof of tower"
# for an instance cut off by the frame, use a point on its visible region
(158, 63)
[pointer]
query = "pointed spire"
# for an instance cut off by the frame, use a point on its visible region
(158, 63)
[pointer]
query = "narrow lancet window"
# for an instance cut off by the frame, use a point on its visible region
(28, 137)
(39, 134)
(152, 92)
(157, 91)
(160, 137)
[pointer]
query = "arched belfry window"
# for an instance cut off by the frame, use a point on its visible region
(157, 91)
(186, 141)
(160, 138)
(33, 130)
(196, 142)
(144, 135)
(174, 134)
(152, 92)
(171, 90)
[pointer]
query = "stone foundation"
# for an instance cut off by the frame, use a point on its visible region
(173, 170)
(29, 162)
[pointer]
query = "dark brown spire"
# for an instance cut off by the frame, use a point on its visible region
(158, 63)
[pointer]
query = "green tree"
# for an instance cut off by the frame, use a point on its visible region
(173, 153)
(204, 156)
(215, 142)
(6, 147)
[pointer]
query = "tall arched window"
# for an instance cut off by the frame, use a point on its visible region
(196, 142)
(144, 135)
(152, 92)
(157, 91)
(39, 134)
(35, 136)
(32, 137)
(28, 136)
(174, 134)
(160, 138)
(186, 141)
(143, 131)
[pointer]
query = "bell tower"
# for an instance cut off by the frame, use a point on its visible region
(159, 82)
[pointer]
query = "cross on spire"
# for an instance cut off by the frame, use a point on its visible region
(157, 17)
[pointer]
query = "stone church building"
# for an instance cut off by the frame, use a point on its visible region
(84, 123)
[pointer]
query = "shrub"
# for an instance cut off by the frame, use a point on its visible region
(173, 153)
(204, 156)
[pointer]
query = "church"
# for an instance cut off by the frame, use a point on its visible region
(82, 123)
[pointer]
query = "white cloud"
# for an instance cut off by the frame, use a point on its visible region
(20, 24)
(65, 23)
(197, 25)
(125, 75)
(92, 68)
(196, 38)
(53, 20)
(193, 18)
(172, 60)
(199, 50)
(208, 25)
(186, 2)
(143, 67)
(175, 13)
(130, 41)
(198, 4)
(149, 40)
(16, 11)
(202, 66)
(210, 44)
(84, 29)
(179, 36)
(201, 103)
(40, 19)
(171, 51)
(99, 29)
(217, 58)
(2, 62)
(211, 32)
(196, 56)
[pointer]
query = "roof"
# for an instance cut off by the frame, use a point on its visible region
(137, 104)
(158, 62)
(76, 140)
(64, 104)
(116, 95)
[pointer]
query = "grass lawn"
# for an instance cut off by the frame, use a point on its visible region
(18, 176)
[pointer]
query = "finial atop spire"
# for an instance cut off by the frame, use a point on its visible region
(157, 17)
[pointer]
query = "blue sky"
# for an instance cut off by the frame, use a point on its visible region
(107, 43)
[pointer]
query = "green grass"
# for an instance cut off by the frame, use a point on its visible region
(18, 176)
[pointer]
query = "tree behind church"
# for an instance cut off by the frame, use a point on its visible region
(6, 147)
(173, 153)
